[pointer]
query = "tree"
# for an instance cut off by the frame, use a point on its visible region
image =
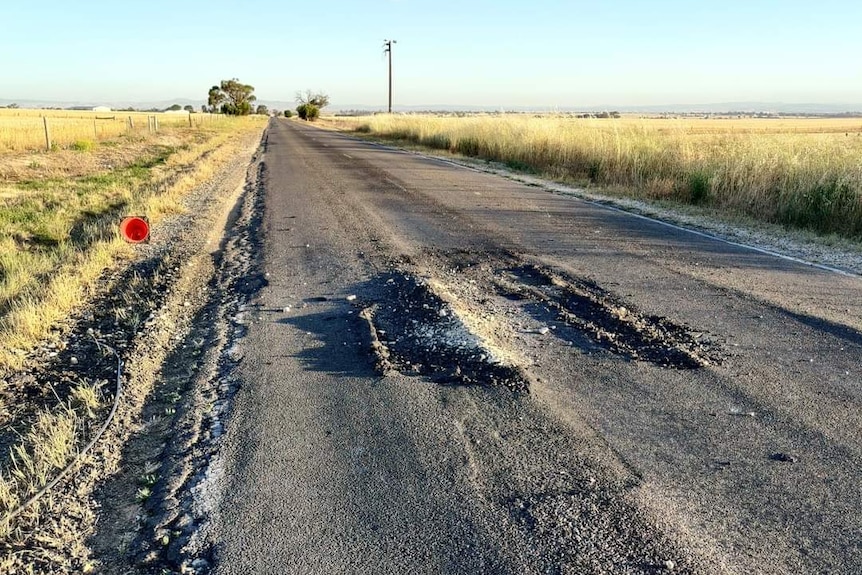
(175, 108)
(204, 108)
(189, 108)
(262, 110)
(318, 99)
(236, 97)
(216, 97)
(288, 113)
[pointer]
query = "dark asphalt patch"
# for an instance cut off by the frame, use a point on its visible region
(608, 321)
(414, 331)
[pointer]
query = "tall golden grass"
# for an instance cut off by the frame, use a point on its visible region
(803, 173)
(23, 129)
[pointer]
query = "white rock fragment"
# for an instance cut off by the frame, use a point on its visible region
(351, 297)
(542, 330)
(670, 565)
(73, 360)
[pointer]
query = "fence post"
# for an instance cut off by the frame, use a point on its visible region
(131, 124)
(156, 122)
(95, 131)
(190, 120)
(47, 133)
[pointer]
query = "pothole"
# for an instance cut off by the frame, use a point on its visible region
(414, 331)
(607, 321)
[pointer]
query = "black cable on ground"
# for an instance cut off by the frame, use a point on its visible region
(35, 497)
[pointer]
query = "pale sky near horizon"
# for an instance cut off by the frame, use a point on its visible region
(543, 53)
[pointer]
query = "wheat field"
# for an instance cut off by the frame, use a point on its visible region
(800, 173)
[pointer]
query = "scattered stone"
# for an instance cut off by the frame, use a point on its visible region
(73, 360)
(670, 565)
(784, 457)
(351, 297)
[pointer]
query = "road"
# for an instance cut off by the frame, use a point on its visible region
(452, 372)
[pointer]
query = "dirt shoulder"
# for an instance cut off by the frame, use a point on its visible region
(144, 310)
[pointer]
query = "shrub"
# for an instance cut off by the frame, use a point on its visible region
(241, 109)
(82, 145)
(288, 113)
(308, 112)
(698, 184)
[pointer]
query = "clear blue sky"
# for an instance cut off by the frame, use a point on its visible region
(539, 53)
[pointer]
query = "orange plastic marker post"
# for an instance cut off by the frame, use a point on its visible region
(135, 229)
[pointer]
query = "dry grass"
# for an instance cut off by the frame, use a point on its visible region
(41, 453)
(58, 233)
(804, 173)
(57, 237)
(25, 130)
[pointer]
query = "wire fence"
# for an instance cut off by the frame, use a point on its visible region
(49, 129)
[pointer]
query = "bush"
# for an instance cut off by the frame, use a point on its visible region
(82, 145)
(288, 113)
(308, 112)
(241, 109)
(699, 186)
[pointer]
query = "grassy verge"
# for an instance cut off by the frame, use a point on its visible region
(58, 234)
(58, 228)
(802, 174)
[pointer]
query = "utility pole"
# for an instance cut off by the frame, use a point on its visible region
(387, 49)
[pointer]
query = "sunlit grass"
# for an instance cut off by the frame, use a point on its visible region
(58, 234)
(804, 173)
(25, 129)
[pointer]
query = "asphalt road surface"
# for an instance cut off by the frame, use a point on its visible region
(451, 372)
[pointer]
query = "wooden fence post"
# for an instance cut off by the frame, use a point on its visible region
(47, 133)
(131, 124)
(95, 130)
